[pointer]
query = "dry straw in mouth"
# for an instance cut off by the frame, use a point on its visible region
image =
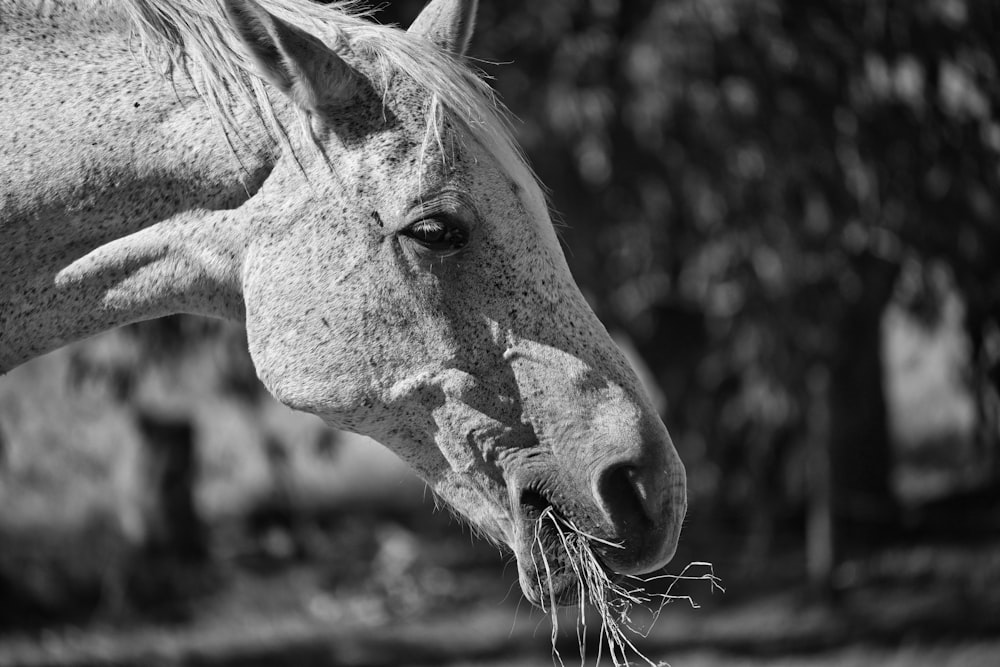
(613, 600)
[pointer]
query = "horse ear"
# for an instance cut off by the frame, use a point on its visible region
(296, 63)
(447, 23)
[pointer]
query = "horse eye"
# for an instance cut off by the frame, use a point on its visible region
(438, 235)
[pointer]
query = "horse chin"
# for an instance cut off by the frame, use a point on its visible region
(545, 572)
(548, 590)
(549, 563)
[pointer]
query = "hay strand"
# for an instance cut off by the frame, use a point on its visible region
(612, 599)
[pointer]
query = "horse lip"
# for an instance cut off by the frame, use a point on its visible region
(545, 578)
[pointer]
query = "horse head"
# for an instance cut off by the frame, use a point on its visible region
(402, 279)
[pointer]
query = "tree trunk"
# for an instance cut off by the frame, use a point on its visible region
(168, 471)
(985, 378)
(169, 549)
(820, 556)
(860, 455)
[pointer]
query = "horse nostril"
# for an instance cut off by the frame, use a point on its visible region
(642, 496)
(625, 499)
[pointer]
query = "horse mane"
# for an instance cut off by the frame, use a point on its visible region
(193, 37)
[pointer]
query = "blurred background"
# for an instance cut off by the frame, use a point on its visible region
(786, 212)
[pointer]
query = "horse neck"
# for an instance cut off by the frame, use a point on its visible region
(98, 147)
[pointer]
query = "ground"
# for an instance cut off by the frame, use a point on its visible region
(430, 596)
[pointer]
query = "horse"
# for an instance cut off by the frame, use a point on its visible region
(352, 193)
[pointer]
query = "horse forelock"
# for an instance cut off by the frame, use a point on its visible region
(194, 38)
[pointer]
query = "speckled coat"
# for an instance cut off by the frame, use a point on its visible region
(391, 255)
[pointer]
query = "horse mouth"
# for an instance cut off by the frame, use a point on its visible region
(555, 558)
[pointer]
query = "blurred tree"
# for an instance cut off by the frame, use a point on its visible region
(744, 181)
(170, 558)
(167, 558)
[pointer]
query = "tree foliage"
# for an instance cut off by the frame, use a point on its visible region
(745, 182)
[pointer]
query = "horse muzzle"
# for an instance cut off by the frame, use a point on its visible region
(625, 521)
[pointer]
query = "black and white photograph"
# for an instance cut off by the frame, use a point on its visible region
(514, 333)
